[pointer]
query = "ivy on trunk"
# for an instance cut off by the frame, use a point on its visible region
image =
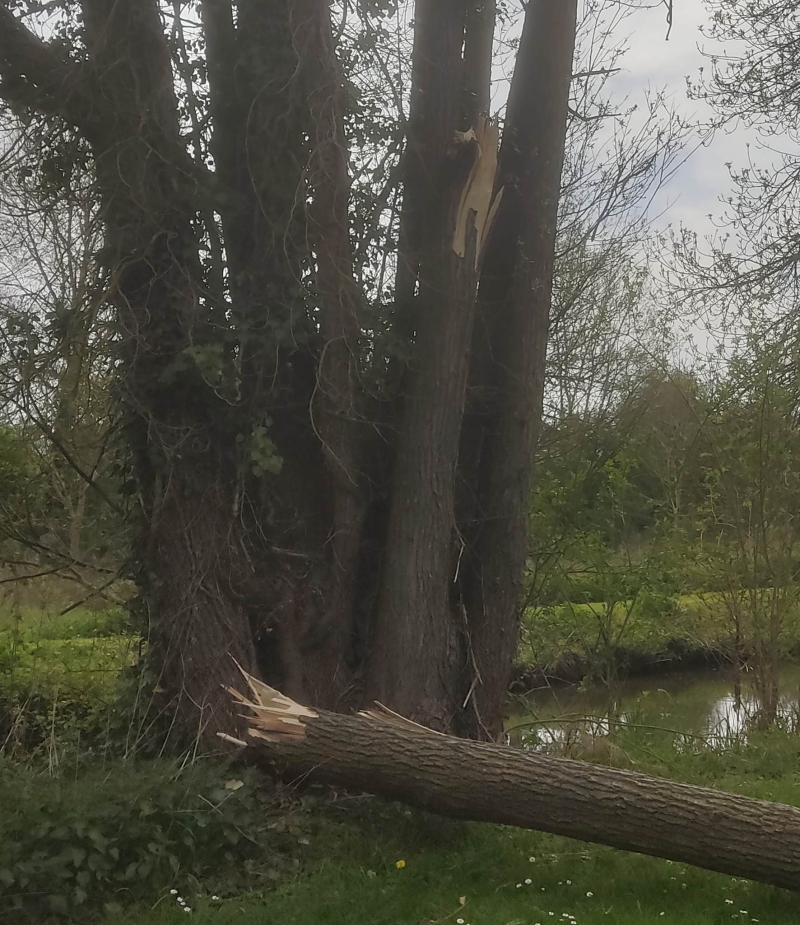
(338, 502)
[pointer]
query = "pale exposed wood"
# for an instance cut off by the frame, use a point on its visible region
(476, 198)
(380, 712)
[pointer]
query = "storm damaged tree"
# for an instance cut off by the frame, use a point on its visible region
(331, 493)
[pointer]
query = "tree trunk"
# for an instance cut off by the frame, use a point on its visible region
(175, 422)
(264, 527)
(415, 613)
(276, 90)
(385, 754)
(509, 349)
(337, 396)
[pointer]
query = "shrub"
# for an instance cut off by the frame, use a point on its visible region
(30, 624)
(60, 682)
(62, 693)
(75, 845)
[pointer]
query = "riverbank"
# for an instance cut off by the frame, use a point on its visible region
(625, 662)
(571, 643)
(87, 831)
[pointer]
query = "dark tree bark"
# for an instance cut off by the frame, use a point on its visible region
(148, 188)
(508, 355)
(269, 526)
(33, 77)
(384, 754)
(337, 400)
(415, 612)
(478, 47)
(270, 138)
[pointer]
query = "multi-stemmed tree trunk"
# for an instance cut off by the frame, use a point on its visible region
(348, 525)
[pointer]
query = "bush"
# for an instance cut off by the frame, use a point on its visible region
(62, 693)
(78, 844)
(86, 624)
(60, 682)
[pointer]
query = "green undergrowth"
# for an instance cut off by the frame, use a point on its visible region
(77, 841)
(87, 837)
(81, 649)
(364, 861)
(484, 875)
(32, 622)
(648, 626)
(60, 677)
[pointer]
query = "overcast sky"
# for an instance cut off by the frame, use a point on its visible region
(655, 63)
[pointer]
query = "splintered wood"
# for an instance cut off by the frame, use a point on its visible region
(476, 197)
(383, 753)
(271, 715)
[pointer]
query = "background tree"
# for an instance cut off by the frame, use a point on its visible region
(56, 367)
(747, 522)
(752, 80)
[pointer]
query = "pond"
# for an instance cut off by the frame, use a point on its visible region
(712, 706)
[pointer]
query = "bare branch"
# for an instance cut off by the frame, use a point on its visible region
(596, 72)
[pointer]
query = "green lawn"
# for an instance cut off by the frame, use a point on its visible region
(501, 876)
(489, 875)
(343, 866)
(58, 674)
(83, 649)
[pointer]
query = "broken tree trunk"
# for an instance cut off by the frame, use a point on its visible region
(382, 753)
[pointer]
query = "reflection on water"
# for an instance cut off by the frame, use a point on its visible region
(717, 707)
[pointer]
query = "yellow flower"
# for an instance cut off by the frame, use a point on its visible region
(400, 864)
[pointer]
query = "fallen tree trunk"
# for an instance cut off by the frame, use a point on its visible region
(382, 753)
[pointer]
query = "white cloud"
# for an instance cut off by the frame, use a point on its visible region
(654, 63)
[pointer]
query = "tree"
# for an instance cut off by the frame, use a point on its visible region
(295, 461)
(380, 752)
(56, 369)
(331, 297)
(752, 80)
(749, 542)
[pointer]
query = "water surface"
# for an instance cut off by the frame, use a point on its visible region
(718, 707)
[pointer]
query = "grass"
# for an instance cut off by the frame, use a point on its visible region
(83, 649)
(33, 622)
(492, 876)
(458, 873)
(346, 853)
(60, 678)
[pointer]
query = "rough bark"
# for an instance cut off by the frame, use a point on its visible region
(180, 453)
(281, 157)
(478, 47)
(261, 142)
(339, 299)
(415, 614)
(267, 347)
(33, 76)
(509, 349)
(429, 72)
(384, 754)
(259, 121)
